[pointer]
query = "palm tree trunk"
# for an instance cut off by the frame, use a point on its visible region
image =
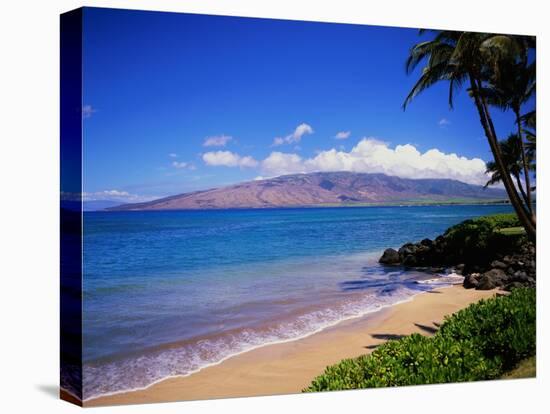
(525, 166)
(521, 190)
(488, 127)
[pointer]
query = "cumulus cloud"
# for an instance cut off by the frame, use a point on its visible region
(279, 163)
(228, 159)
(373, 156)
(217, 141)
(294, 137)
(343, 135)
(173, 155)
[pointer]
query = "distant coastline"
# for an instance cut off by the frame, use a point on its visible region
(330, 189)
(314, 206)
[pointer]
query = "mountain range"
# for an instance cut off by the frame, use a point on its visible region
(324, 189)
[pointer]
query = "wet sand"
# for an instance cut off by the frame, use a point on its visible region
(289, 367)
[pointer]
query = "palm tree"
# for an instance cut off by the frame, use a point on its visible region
(510, 83)
(529, 122)
(512, 156)
(459, 58)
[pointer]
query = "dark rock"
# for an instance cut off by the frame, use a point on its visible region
(407, 249)
(471, 281)
(427, 243)
(422, 249)
(390, 256)
(513, 285)
(498, 265)
(486, 283)
(509, 268)
(520, 276)
(492, 279)
(410, 261)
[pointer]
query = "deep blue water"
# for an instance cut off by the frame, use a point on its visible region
(167, 293)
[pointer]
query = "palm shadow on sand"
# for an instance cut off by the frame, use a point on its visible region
(391, 337)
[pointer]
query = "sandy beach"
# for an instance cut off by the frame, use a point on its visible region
(289, 367)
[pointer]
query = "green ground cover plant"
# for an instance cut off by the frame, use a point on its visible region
(480, 342)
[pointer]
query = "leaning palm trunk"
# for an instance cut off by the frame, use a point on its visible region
(524, 216)
(525, 166)
(520, 187)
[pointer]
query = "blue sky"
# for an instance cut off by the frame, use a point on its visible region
(176, 103)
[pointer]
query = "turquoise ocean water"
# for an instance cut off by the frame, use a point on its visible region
(168, 293)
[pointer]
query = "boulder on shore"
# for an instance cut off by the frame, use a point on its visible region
(497, 264)
(492, 279)
(390, 256)
(427, 242)
(410, 260)
(406, 249)
(471, 281)
(503, 265)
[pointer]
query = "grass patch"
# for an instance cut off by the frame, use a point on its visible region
(480, 342)
(525, 369)
(512, 231)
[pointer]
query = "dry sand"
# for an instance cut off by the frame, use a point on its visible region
(289, 367)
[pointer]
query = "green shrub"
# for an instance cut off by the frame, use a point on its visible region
(504, 329)
(412, 360)
(477, 343)
(478, 240)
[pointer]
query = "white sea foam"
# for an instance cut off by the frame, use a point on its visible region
(446, 279)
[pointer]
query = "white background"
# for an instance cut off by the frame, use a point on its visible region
(29, 191)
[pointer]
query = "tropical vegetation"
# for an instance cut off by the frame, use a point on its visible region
(499, 72)
(483, 238)
(484, 341)
(512, 154)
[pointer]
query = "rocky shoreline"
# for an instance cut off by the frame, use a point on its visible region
(507, 269)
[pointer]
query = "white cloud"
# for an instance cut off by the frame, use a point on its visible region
(115, 195)
(296, 136)
(369, 155)
(279, 163)
(343, 135)
(443, 122)
(373, 156)
(217, 141)
(88, 111)
(180, 165)
(173, 155)
(228, 159)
